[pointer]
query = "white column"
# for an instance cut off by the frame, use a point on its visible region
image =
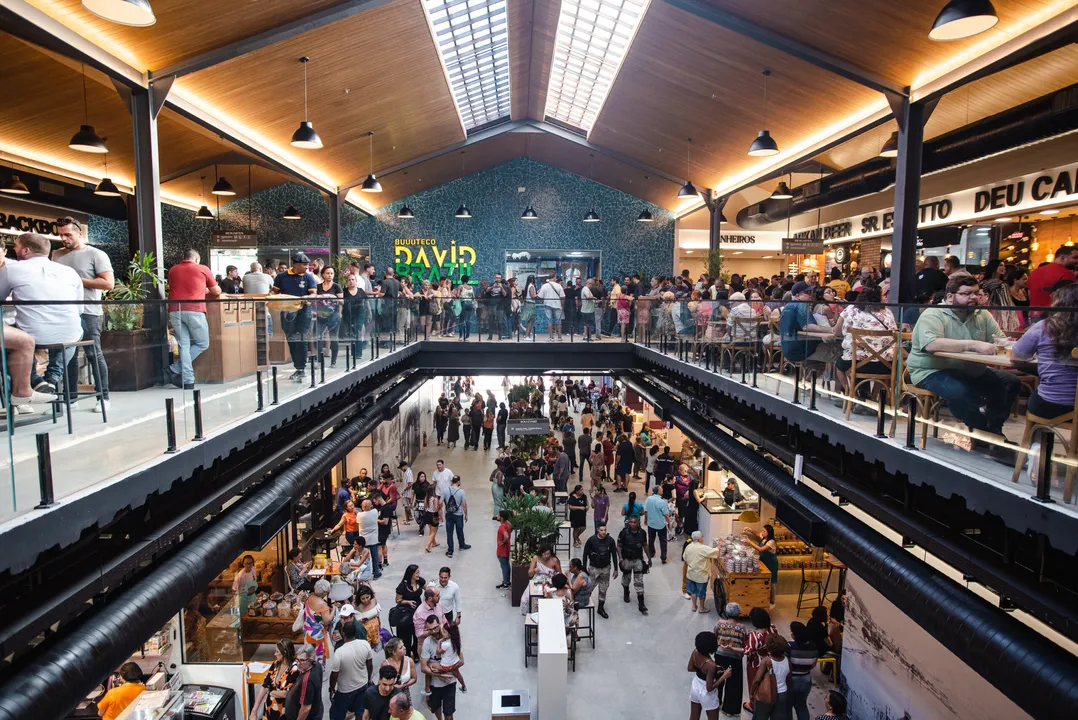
(552, 694)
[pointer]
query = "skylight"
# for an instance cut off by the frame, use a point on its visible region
(473, 39)
(593, 38)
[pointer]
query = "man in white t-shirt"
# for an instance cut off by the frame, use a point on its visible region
(350, 668)
(36, 278)
(553, 296)
(443, 478)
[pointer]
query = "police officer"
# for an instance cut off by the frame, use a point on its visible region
(600, 559)
(634, 561)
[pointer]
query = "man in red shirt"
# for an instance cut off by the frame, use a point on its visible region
(194, 282)
(505, 532)
(1044, 279)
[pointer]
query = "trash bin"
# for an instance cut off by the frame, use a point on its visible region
(511, 705)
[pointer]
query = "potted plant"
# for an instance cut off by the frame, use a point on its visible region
(531, 528)
(128, 347)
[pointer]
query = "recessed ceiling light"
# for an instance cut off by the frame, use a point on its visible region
(738, 252)
(1004, 219)
(688, 252)
(1049, 212)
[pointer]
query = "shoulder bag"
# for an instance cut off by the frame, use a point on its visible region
(767, 690)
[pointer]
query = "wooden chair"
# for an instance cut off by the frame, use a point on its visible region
(808, 579)
(743, 339)
(929, 404)
(862, 342)
(1066, 426)
(773, 349)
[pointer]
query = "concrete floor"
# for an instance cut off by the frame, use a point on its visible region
(637, 667)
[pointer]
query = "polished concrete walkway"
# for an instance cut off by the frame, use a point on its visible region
(637, 669)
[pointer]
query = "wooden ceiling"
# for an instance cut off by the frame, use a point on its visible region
(532, 27)
(191, 185)
(378, 71)
(539, 146)
(184, 28)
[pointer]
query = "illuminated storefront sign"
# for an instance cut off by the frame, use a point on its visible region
(422, 259)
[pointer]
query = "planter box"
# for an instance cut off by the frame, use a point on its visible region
(518, 576)
(129, 355)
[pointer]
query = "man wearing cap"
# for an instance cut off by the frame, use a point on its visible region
(796, 318)
(698, 557)
(350, 669)
(300, 283)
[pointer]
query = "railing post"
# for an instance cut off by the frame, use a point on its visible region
(911, 422)
(1044, 471)
(321, 367)
(311, 363)
(170, 425)
(797, 384)
(812, 391)
(880, 413)
(44, 471)
(198, 414)
(348, 356)
(273, 384)
(258, 382)
(754, 371)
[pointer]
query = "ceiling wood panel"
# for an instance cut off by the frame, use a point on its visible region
(890, 39)
(532, 27)
(520, 56)
(686, 78)
(378, 71)
(190, 186)
(184, 27)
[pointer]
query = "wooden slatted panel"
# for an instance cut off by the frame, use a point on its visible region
(544, 29)
(189, 185)
(379, 71)
(685, 78)
(520, 55)
(887, 38)
(184, 28)
(532, 27)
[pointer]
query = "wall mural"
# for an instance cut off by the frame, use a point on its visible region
(435, 243)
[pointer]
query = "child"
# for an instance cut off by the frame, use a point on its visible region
(447, 655)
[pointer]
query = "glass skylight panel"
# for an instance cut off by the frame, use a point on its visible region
(593, 38)
(473, 39)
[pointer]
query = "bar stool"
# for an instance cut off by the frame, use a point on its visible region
(807, 581)
(561, 498)
(564, 530)
(586, 632)
(65, 395)
(832, 661)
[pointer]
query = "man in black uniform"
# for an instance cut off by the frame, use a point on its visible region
(600, 559)
(634, 561)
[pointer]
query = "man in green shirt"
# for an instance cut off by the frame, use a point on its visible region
(979, 396)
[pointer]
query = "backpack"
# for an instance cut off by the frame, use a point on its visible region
(451, 505)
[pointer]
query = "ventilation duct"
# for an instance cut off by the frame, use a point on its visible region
(50, 685)
(1039, 676)
(1046, 117)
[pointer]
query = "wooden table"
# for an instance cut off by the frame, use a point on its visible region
(833, 563)
(1000, 360)
(819, 335)
(547, 486)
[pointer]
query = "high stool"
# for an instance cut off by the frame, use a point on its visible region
(807, 581)
(586, 632)
(561, 498)
(564, 530)
(831, 660)
(65, 395)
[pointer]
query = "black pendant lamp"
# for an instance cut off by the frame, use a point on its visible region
(591, 216)
(292, 214)
(305, 137)
(688, 189)
(87, 139)
(14, 186)
(764, 145)
(782, 192)
(890, 148)
(106, 187)
(463, 212)
(222, 186)
(203, 212)
(371, 184)
(962, 19)
(529, 214)
(136, 13)
(645, 216)
(405, 213)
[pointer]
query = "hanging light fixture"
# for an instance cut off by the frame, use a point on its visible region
(405, 213)
(962, 19)
(371, 184)
(106, 187)
(136, 13)
(14, 186)
(203, 212)
(782, 192)
(688, 189)
(292, 214)
(87, 139)
(890, 148)
(529, 214)
(222, 186)
(645, 216)
(463, 212)
(591, 215)
(764, 145)
(305, 137)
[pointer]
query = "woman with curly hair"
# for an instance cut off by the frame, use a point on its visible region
(1052, 341)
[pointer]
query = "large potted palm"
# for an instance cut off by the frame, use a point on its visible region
(127, 345)
(531, 528)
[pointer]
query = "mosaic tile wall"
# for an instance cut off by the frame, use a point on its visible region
(560, 198)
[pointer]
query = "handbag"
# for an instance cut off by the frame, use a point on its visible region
(767, 690)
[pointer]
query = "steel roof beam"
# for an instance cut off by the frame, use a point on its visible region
(340, 11)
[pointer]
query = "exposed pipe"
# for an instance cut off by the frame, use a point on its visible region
(1046, 117)
(51, 685)
(1036, 674)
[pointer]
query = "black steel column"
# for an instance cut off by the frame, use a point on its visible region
(911, 123)
(334, 202)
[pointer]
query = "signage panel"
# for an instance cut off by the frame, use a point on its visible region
(422, 259)
(802, 246)
(235, 238)
(528, 426)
